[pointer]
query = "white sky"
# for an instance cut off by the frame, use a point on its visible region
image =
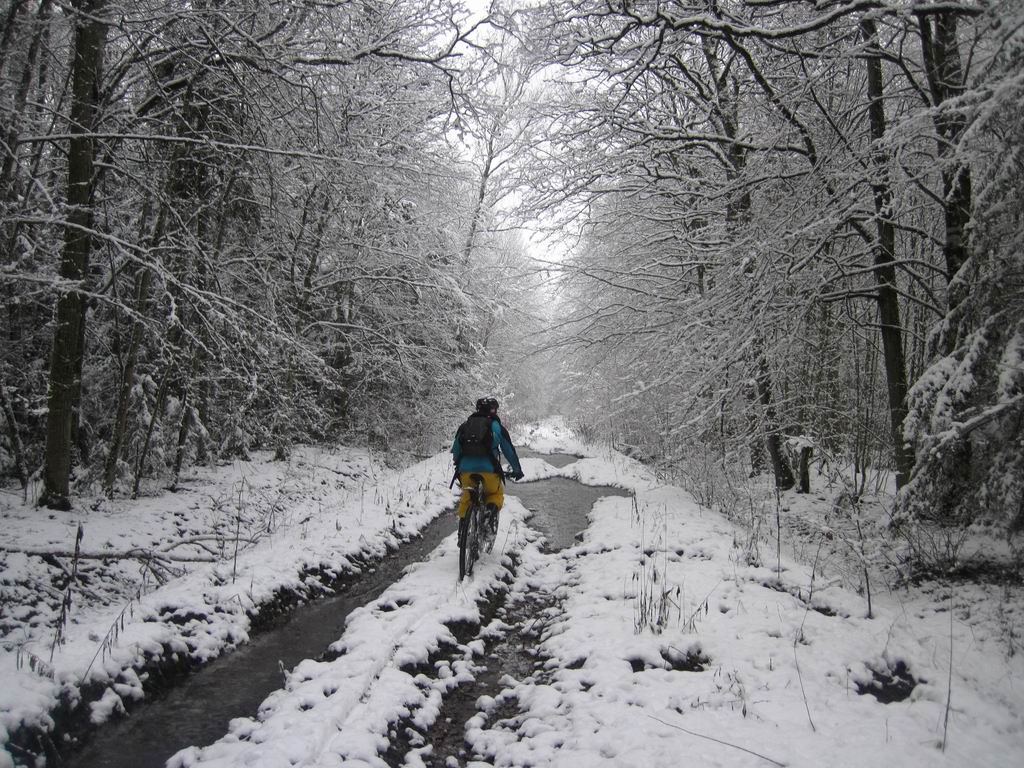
(539, 246)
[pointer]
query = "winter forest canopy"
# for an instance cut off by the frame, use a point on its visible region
(726, 235)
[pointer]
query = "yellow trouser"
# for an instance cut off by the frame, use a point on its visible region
(494, 493)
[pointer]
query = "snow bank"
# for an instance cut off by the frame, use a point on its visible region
(326, 510)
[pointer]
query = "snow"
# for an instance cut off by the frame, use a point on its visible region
(1011, 366)
(774, 663)
(669, 634)
(110, 703)
(323, 509)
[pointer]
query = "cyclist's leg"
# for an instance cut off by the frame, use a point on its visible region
(494, 497)
(466, 485)
(494, 490)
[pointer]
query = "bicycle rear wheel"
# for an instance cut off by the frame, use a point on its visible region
(469, 541)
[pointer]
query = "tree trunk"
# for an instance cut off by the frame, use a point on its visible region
(68, 334)
(11, 196)
(183, 428)
(8, 31)
(805, 469)
(755, 444)
(478, 204)
(884, 261)
(764, 435)
(7, 185)
(941, 53)
(780, 465)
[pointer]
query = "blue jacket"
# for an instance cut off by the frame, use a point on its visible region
(501, 442)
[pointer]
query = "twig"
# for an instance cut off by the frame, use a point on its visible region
(719, 741)
(137, 553)
(800, 677)
(107, 643)
(702, 604)
(778, 533)
(65, 604)
(949, 682)
(814, 570)
(799, 674)
(864, 567)
(513, 528)
(234, 560)
(122, 554)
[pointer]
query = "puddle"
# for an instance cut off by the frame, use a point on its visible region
(559, 460)
(560, 506)
(197, 710)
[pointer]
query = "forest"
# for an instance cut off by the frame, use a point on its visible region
(771, 251)
(723, 234)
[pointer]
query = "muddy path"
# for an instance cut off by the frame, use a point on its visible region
(560, 508)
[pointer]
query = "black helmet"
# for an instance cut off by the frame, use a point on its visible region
(487, 405)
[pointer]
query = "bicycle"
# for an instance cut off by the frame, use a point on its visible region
(474, 532)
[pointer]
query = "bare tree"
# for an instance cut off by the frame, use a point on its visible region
(70, 314)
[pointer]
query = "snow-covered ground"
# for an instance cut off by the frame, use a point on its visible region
(317, 515)
(670, 643)
(665, 642)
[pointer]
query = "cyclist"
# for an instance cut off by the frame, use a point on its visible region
(479, 444)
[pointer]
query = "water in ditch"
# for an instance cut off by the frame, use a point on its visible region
(199, 708)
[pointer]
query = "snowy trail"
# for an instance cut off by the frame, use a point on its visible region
(670, 641)
(662, 637)
(400, 655)
(340, 711)
(510, 642)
